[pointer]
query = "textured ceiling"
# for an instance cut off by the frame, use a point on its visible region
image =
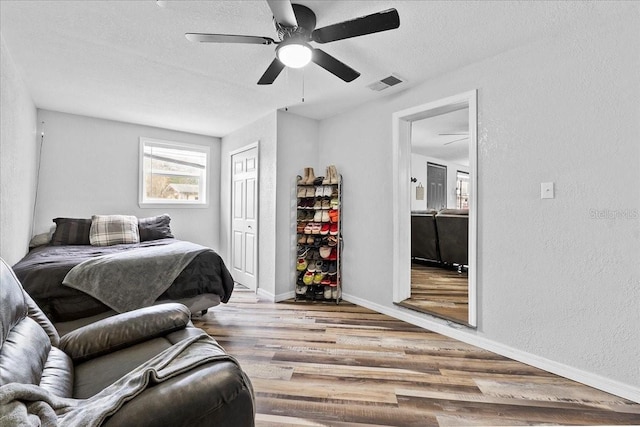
(130, 61)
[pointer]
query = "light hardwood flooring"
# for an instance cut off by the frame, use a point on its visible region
(322, 364)
(438, 291)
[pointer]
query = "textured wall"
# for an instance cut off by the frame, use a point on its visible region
(558, 279)
(297, 149)
(18, 160)
(90, 166)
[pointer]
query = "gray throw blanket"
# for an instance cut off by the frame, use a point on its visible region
(31, 405)
(134, 278)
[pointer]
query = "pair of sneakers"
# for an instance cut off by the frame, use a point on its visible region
(324, 191)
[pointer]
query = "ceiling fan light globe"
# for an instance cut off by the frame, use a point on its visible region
(294, 55)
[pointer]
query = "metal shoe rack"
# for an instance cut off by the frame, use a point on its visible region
(319, 238)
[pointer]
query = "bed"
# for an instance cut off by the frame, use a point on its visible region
(75, 275)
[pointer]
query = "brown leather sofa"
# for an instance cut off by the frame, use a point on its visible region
(37, 366)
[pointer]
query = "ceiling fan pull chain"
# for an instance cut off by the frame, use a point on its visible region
(303, 85)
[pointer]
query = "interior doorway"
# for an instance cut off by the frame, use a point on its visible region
(244, 216)
(403, 190)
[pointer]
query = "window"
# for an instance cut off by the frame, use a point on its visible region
(462, 190)
(173, 173)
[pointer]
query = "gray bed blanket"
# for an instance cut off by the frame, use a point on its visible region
(132, 279)
(31, 405)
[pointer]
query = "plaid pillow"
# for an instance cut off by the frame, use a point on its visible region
(71, 231)
(107, 230)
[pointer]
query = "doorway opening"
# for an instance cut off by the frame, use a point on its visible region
(452, 223)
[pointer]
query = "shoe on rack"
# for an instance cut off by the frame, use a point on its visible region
(308, 228)
(325, 204)
(302, 264)
(325, 252)
(333, 255)
(325, 268)
(302, 239)
(325, 229)
(311, 266)
(333, 175)
(328, 190)
(332, 241)
(301, 289)
(333, 268)
(318, 216)
(333, 229)
(334, 215)
(302, 192)
(327, 292)
(307, 278)
(315, 229)
(310, 191)
(336, 293)
(334, 203)
(318, 180)
(310, 177)
(303, 179)
(325, 216)
(318, 204)
(302, 252)
(317, 278)
(319, 191)
(327, 177)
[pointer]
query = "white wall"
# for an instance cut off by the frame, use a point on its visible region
(297, 149)
(419, 171)
(287, 143)
(554, 282)
(90, 166)
(263, 131)
(18, 160)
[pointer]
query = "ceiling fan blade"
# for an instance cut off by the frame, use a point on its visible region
(283, 12)
(334, 66)
(455, 140)
(227, 38)
(269, 76)
(374, 23)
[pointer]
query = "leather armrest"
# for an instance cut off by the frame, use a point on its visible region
(124, 330)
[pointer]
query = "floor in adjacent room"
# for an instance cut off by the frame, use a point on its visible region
(322, 364)
(439, 291)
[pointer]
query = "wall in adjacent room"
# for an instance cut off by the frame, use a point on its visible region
(264, 131)
(90, 166)
(419, 171)
(18, 160)
(558, 279)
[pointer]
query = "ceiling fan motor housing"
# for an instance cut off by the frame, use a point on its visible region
(306, 24)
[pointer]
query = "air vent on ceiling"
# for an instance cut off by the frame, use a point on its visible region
(385, 83)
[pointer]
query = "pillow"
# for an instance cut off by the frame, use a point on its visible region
(107, 230)
(40, 240)
(154, 227)
(71, 231)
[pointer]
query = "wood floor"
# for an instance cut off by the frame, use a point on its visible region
(322, 364)
(438, 291)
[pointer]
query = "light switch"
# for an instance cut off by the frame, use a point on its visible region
(546, 190)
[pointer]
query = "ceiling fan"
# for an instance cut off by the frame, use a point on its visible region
(465, 134)
(296, 28)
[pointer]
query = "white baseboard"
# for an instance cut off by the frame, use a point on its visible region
(467, 335)
(266, 295)
(285, 296)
